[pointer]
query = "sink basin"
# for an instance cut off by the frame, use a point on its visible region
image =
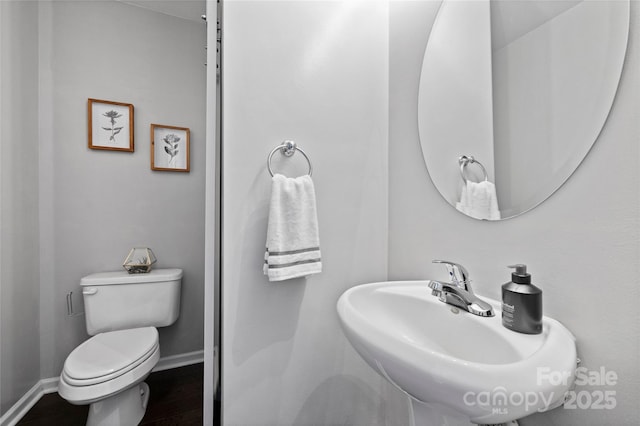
(446, 357)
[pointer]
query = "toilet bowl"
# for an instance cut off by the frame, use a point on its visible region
(108, 370)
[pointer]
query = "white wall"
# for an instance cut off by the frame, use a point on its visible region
(581, 244)
(99, 204)
(314, 72)
(19, 256)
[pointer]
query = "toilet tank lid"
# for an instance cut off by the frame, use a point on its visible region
(123, 277)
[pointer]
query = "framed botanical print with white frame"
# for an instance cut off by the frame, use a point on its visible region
(110, 125)
(169, 148)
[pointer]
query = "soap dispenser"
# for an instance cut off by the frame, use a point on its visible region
(521, 303)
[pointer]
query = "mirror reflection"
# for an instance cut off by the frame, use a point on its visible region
(513, 94)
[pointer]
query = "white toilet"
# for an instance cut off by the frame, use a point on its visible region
(108, 370)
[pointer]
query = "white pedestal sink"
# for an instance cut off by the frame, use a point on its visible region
(456, 367)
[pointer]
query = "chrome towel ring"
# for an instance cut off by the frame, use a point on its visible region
(464, 161)
(287, 148)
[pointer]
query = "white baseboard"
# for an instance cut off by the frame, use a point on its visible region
(24, 404)
(180, 360)
(50, 385)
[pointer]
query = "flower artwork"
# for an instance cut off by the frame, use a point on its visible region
(169, 148)
(110, 125)
(112, 115)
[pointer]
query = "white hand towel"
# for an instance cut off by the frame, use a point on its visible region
(479, 200)
(293, 244)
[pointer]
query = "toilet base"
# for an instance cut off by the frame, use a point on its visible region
(125, 408)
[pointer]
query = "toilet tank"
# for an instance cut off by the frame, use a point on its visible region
(119, 300)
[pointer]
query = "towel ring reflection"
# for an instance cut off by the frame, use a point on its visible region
(288, 148)
(464, 161)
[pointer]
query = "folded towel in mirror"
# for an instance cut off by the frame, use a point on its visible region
(479, 200)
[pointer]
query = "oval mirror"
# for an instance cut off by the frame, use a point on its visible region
(513, 94)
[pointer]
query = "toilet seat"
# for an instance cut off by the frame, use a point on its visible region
(106, 356)
(108, 363)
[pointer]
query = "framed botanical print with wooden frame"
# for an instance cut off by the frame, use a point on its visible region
(110, 125)
(169, 148)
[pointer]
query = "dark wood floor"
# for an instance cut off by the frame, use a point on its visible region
(176, 400)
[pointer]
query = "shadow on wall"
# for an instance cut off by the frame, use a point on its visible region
(269, 310)
(356, 404)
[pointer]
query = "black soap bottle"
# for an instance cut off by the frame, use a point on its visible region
(521, 303)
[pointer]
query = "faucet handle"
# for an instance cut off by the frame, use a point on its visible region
(457, 272)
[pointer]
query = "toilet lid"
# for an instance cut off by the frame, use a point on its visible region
(111, 354)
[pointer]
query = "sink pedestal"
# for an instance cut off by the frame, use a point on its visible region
(424, 414)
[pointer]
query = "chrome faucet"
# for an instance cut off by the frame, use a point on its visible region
(458, 292)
